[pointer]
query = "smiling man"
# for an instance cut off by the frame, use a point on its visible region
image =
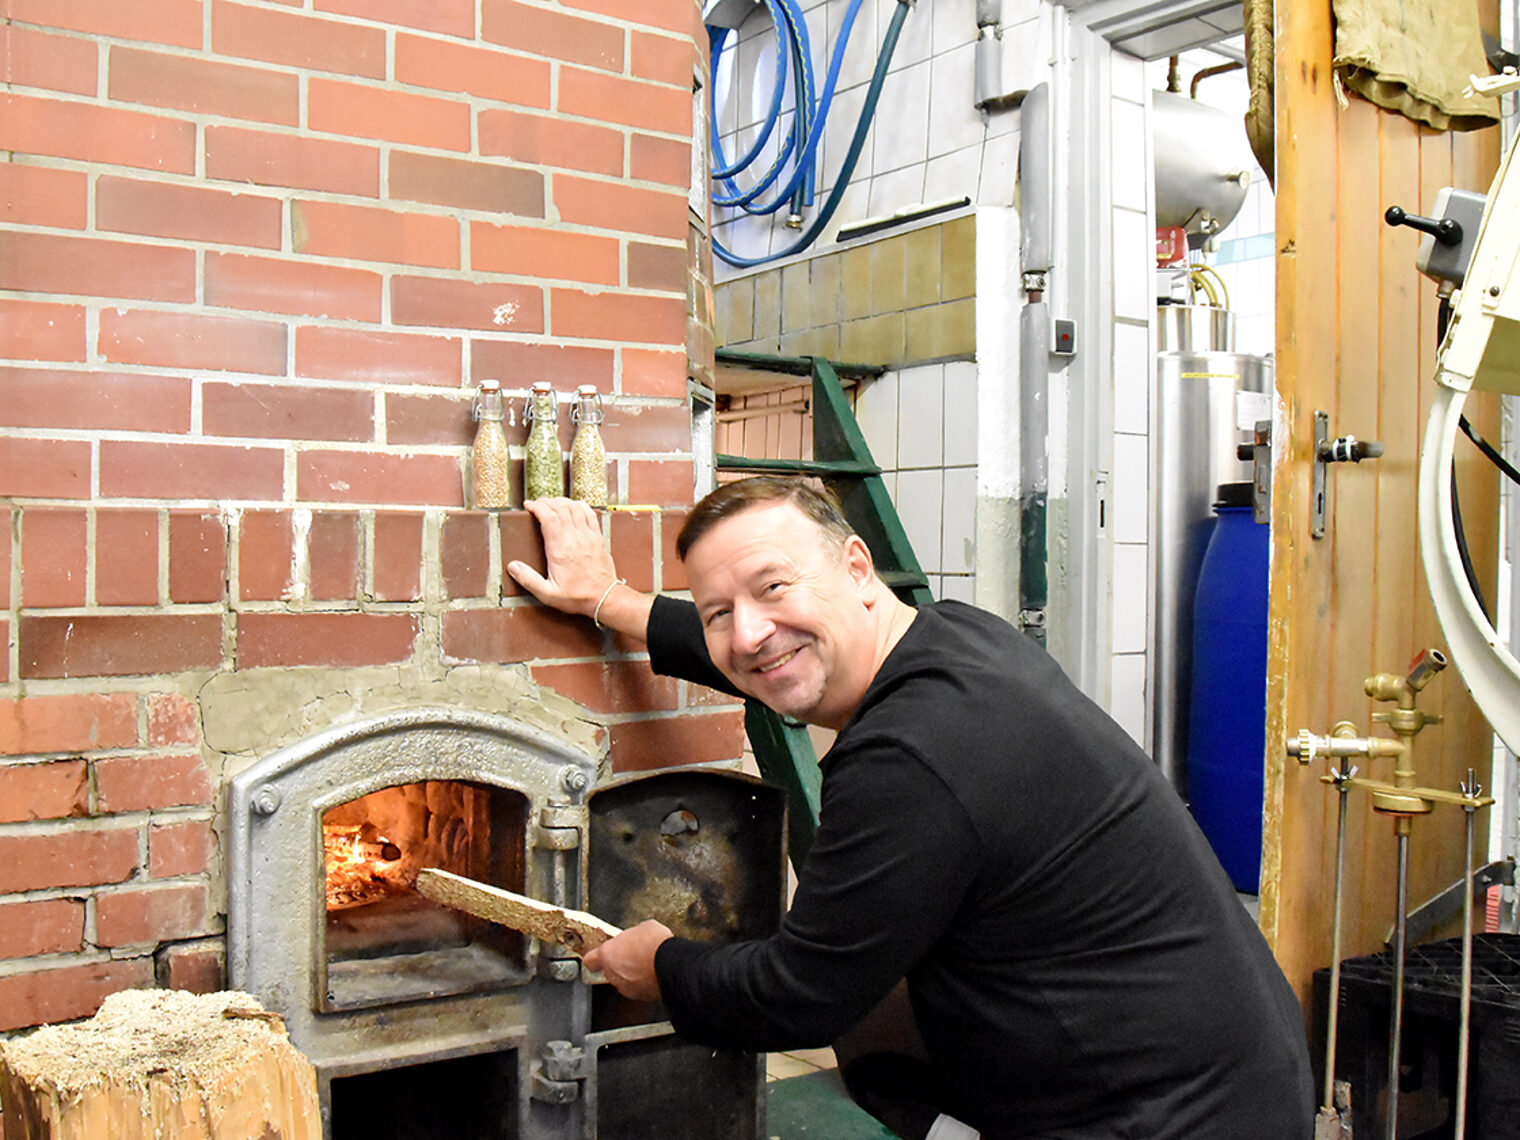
(1077, 962)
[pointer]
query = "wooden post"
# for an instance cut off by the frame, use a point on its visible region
(1356, 328)
(160, 1064)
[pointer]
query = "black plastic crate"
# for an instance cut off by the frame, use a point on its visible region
(1431, 1021)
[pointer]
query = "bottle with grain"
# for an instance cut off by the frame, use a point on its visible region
(490, 457)
(588, 456)
(544, 477)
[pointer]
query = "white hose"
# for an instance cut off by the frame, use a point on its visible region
(1489, 669)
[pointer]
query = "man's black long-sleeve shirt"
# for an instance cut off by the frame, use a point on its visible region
(1077, 960)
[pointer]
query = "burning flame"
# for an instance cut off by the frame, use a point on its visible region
(359, 869)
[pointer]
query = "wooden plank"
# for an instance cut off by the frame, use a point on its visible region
(1463, 739)
(1393, 583)
(1297, 815)
(573, 929)
(1355, 628)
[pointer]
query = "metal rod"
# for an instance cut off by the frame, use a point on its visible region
(756, 411)
(1396, 1026)
(1470, 788)
(1332, 1028)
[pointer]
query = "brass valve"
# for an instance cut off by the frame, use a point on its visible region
(1401, 798)
(1342, 743)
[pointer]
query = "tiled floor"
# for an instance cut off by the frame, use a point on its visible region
(806, 1100)
(780, 1066)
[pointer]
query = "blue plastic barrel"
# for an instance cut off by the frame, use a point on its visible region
(1228, 715)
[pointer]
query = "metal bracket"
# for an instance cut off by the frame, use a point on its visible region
(1445, 904)
(561, 829)
(1345, 449)
(1258, 454)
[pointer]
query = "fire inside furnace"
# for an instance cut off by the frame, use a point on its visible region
(362, 865)
(373, 848)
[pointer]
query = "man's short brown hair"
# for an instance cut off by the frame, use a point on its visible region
(812, 499)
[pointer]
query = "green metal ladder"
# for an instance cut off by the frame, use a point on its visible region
(783, 749)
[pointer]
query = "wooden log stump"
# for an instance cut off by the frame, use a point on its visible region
(160, 1065)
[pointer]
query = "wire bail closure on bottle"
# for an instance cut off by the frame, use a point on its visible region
(587, 408)
(487, 403)
(541, 391)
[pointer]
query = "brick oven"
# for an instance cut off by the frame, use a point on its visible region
(256, 256)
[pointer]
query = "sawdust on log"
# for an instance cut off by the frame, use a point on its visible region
(140, 1035)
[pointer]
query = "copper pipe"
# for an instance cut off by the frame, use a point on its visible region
(1221, 69)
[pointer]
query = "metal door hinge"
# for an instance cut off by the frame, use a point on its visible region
(558, 1073)
(560, 826)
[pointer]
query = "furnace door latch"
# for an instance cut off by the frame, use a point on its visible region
(558, 1073)
(1344, 449)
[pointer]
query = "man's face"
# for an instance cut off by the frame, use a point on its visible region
(784, 611)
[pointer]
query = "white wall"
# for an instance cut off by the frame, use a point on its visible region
(930, 144)
(920, 424)
(1132, 374)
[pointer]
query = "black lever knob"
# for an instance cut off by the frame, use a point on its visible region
(1447, 231)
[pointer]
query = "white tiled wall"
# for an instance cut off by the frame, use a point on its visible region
(1132, 368)
(1129, 597)
(920, 426)
(928, 143)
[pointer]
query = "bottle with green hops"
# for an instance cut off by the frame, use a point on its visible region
(588, 456)
(545, 474)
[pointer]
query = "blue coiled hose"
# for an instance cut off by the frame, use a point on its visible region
(807, 126)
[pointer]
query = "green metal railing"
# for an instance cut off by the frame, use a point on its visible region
(783, 750)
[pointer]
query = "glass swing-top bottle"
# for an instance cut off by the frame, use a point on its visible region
(544, 477)
(588, 456)
(490, 458)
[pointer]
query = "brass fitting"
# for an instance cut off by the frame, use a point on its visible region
(1344, 742)
(1401, 799)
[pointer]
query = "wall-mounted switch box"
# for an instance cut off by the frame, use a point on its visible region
(1064, 340)
(1449, 262)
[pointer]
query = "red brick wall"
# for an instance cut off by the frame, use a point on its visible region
(254, 258)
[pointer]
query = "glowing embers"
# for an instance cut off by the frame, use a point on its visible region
(382, 941)
(360, 863)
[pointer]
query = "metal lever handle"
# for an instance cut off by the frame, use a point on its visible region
(1447, 231)
(1349, 449)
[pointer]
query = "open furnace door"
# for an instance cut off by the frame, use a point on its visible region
(703, 851)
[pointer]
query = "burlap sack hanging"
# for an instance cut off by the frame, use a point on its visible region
(1261, 129)
(1414, 57)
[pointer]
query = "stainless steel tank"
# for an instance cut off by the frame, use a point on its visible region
(1203, 165)
(1206, 404)
(1194, 328)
